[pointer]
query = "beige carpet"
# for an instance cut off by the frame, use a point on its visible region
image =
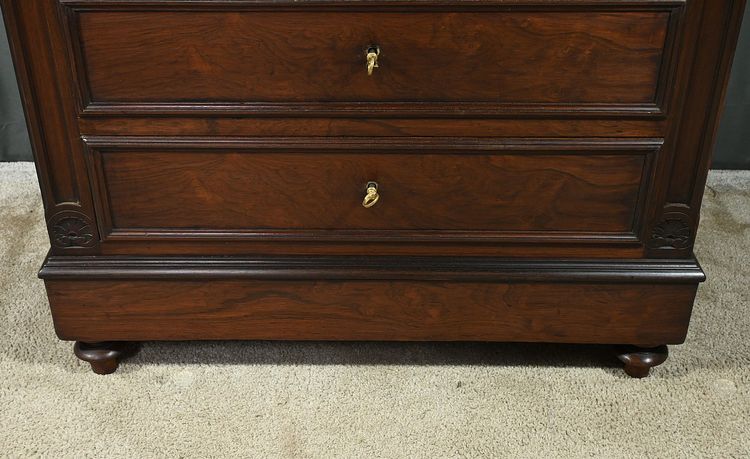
(369, 400)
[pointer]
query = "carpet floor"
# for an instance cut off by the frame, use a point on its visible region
(352, 400)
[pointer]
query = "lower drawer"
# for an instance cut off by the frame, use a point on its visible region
(429, 190)
(168, 309)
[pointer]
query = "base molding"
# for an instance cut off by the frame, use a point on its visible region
(480, 269)
(108, 299)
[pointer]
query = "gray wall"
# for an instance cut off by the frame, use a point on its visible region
(733, 145)
(732, 150)
(14, 142)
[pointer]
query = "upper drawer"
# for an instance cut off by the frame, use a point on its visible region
(307, 59)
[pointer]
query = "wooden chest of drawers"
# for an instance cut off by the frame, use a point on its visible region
(499, 170)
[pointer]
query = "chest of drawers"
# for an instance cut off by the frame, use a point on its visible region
(484, 170)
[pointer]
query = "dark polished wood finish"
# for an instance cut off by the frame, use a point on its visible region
(540, 165)
(481, 269)
(431, 61)
(304, 185)
(370, 310)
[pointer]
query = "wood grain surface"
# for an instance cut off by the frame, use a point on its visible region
(623, 96)
(559, 57)
(369, 310)
(244, 190)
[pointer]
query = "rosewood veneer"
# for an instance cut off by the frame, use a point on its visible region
(437, 170)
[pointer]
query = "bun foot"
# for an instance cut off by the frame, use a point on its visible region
(104, 357)
(639, 360)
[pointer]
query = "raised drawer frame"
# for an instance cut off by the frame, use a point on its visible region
(650, 148)
(658, 109)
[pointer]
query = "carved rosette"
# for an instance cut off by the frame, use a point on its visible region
(71, 229)
(672, 232)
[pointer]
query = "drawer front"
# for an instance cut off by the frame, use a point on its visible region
(313, 189)
(232, 56)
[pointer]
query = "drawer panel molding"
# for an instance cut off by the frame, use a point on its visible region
(308, 189)
(308, 59)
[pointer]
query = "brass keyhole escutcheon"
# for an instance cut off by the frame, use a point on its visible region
(371, 196)
(373, 52)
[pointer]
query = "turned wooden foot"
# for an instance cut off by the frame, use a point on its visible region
(639, 360)
(104, 357)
